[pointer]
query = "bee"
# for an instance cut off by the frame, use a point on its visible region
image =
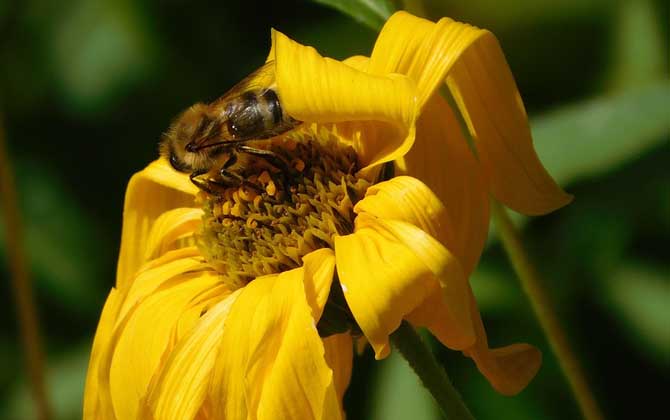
(210, 136)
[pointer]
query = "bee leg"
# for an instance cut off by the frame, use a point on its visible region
(231, 179)
(202, 184)
(273, 159)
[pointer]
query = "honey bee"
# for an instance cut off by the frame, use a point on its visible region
(209, 136)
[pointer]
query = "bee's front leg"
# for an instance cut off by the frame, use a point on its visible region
(203, 184)
(285, 171)
(229, 178)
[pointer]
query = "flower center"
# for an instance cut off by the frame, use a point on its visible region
(277, 204)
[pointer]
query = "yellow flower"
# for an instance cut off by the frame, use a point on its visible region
(178, 339)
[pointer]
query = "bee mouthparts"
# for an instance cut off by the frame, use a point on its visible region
(191, 147)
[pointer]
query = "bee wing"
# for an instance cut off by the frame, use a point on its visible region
(261, 79)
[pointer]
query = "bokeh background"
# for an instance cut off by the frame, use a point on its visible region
(87, 87)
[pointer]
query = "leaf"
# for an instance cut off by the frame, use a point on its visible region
(372, 13)
(398, 394)
(591, 138)
(640, 53)
(638, 295)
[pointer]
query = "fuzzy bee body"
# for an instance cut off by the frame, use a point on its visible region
(205, 136)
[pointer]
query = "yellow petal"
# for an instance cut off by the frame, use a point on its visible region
(446, 310)
(93, 409)
(384, 279)
(146, 336)
(379, 111)
(150, 193)
(359, 62)
(149, 280)
(180, 390)
(443, 160)
(170, 227)
(272, 363)
(319, 269)
(423, 50)
(410, 200)
(486, 94)
(474, 67)
(339, 356)
(509, 368)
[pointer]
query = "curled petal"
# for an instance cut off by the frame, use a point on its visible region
(459, 183)
(319, 269)
(410, 200)
(509, 369)
(169, 228)
(423, 50)
(446, 311)
(150, 193)
(471, 61)
(388, 269)
(379, 111)
(271, 364)
(339, 356)
(487, 97)
(359, 62)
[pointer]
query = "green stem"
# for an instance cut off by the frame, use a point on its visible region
(431, 373)
(530, 281)
(21, 285)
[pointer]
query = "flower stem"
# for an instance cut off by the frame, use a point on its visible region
(21, 284)
(545, 313)
(431, 373)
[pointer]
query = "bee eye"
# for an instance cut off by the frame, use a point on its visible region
(179, 165)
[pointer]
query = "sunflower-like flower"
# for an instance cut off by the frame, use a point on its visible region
(242, 303)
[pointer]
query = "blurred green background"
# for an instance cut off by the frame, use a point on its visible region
(87, 87)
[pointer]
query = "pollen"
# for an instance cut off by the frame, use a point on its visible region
(277, 215)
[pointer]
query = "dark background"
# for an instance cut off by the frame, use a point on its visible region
(87, 87)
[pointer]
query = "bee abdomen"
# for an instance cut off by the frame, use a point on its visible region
(273, 106)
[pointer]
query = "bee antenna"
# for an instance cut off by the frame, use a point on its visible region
(191, 147)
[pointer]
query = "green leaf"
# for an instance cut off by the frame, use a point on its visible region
(638, 295)
(640, 52)
(398, 393)
(591, 138)
(372, 13)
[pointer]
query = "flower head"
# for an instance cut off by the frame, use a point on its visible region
(242, 301)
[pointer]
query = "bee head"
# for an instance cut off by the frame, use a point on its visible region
(177, 142)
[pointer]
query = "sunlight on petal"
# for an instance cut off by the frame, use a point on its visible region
(93, 409)
(145, 337)
(458, 183)
(487, 97)
(150, 193)
(180, 390)
(382, 280)
(170, 227)
(447, 306)
(257, 369)
(409, 200)
(319, 268)
(379, 111)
